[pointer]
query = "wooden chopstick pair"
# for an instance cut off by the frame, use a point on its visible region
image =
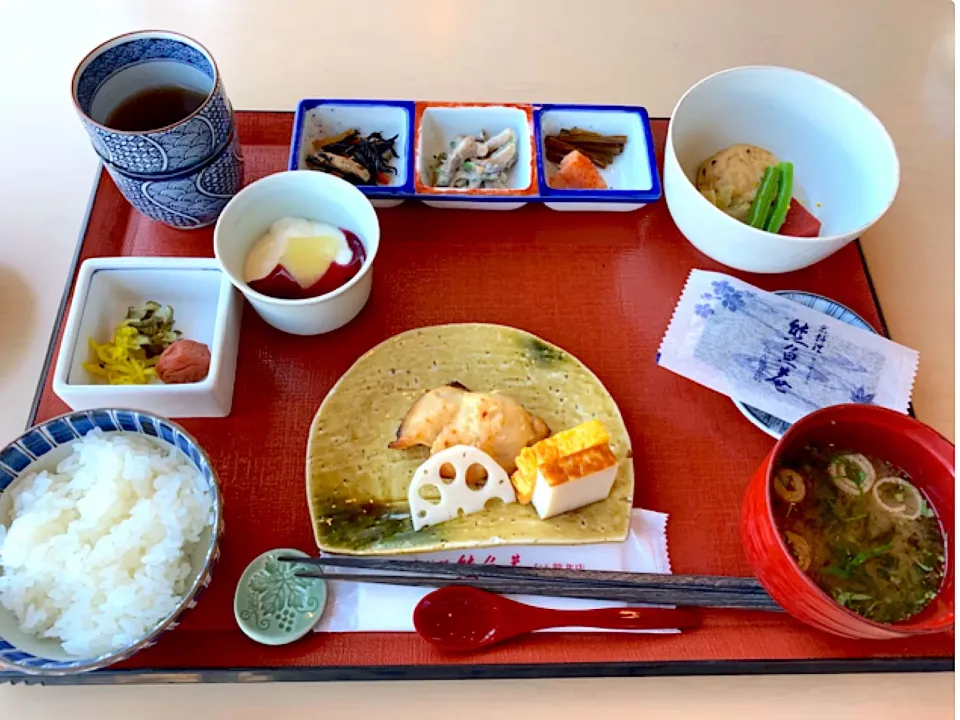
(687, 590)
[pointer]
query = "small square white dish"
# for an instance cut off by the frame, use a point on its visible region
(320, 118)
(207, 309)
(632, 177)
(437, 124)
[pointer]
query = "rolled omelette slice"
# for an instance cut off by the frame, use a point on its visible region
(357, 486)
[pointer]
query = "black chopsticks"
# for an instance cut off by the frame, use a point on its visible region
(690, 590)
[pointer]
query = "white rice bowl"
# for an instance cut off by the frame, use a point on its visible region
(96, 554)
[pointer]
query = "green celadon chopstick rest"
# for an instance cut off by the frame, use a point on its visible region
(272, 605)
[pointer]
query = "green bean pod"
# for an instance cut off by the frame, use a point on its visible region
(784, 194)
(760, 209)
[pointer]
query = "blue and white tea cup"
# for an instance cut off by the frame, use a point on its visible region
(182, 174)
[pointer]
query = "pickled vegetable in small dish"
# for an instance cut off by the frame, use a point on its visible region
(185, 361)
(299, 258)
(121, 361)
(358, 159)
(131, 355)
(476, 161)
(146, 347)
(579, 153)
(154, 325)
(595, 157)
(600, 149)
(751, 185)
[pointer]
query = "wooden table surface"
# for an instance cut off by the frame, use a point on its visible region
(897, 57)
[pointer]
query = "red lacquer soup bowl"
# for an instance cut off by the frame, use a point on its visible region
(898, 439)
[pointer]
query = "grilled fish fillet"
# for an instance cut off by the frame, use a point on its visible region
(452, 415)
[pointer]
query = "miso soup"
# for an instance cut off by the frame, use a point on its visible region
(861, 530)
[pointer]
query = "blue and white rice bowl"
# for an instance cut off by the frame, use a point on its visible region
(43, 447)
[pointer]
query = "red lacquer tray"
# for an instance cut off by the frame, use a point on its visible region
(600, 285)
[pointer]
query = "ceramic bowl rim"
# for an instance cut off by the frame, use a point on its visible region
(95, 52)
(702, 202)
(248, 291)
(902, 628)
(209, 558)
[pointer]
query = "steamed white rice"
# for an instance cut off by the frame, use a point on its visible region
(97, 553)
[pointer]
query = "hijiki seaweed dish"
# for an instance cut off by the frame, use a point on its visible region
(359, 159)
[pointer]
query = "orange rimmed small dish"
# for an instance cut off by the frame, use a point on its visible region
(438, 124)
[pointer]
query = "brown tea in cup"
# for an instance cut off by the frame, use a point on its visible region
(155, 108)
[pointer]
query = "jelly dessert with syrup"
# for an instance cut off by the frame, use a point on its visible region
(299, 258)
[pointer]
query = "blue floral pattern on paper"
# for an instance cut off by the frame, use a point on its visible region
(728, 296)
(766, 348)
(731, 299)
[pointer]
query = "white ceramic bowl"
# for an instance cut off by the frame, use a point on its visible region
(206, 309)
(846, 170)
(307, 194)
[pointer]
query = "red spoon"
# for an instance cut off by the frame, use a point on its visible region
(460, 618)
